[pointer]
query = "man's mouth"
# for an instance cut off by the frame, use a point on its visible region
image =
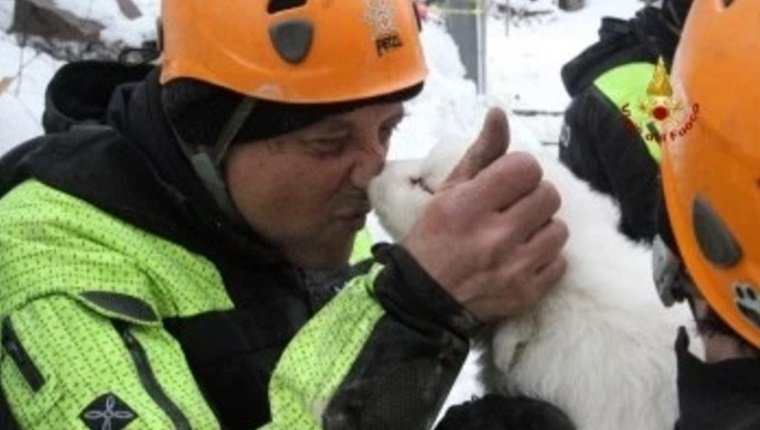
(352, 218)
(359, 210)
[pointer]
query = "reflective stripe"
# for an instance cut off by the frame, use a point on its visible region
(362, 247)
(318, 359)
(626, 85)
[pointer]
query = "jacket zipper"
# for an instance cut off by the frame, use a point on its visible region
(148, 379)
(15, 349)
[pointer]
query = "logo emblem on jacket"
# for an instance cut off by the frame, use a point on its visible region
(107, 412)
(661, 115)
(662, 107)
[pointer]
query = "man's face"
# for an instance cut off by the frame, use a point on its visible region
(306, 191)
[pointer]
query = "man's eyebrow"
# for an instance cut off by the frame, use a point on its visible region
(333, 123)
(338, 123)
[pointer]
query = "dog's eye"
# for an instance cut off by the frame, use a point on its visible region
(419, 182)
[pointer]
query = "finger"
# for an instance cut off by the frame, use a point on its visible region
(489, 146)
(532, 211)
(503, 183)
(549, 275)
(535, 286)
(545, 245)
(533, 275)
(517, 295)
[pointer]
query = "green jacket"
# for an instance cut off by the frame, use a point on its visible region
(126, 301)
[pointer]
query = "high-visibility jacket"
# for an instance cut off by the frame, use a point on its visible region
(127, 301)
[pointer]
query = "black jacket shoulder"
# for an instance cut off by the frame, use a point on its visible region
(652, 33)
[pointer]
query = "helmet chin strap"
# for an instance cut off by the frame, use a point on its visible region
(231, 129)
(207, 161)
(674, 285)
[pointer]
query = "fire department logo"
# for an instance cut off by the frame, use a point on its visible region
(661, 115)
(381, 17)
(660, 105)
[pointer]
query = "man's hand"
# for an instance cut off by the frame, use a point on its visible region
(488, 236)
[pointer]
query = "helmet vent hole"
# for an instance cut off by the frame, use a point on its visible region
(715, 240)
(727, 3)
(275, 6)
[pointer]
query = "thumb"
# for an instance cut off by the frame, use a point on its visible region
(491, 144)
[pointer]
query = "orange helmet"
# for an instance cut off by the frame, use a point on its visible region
(294, 51)
(711, 162)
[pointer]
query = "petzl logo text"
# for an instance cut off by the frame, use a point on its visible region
(381, 18)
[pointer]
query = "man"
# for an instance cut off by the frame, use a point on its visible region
(609, 137)
(169, 246)
(708, 253)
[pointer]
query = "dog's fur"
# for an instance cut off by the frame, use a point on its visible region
(600, 345)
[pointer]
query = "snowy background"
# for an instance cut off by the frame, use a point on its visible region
(523, 75)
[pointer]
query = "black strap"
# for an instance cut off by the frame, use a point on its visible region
(7, 422)
(231, 129)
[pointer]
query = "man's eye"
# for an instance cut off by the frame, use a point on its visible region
(327, 146)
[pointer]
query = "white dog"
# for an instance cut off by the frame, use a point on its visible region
(600, 345)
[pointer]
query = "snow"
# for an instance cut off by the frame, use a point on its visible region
(21, 105)
(117, 26)
(523, 74)
(524, 68)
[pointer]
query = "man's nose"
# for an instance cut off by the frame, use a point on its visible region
(369, 162)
